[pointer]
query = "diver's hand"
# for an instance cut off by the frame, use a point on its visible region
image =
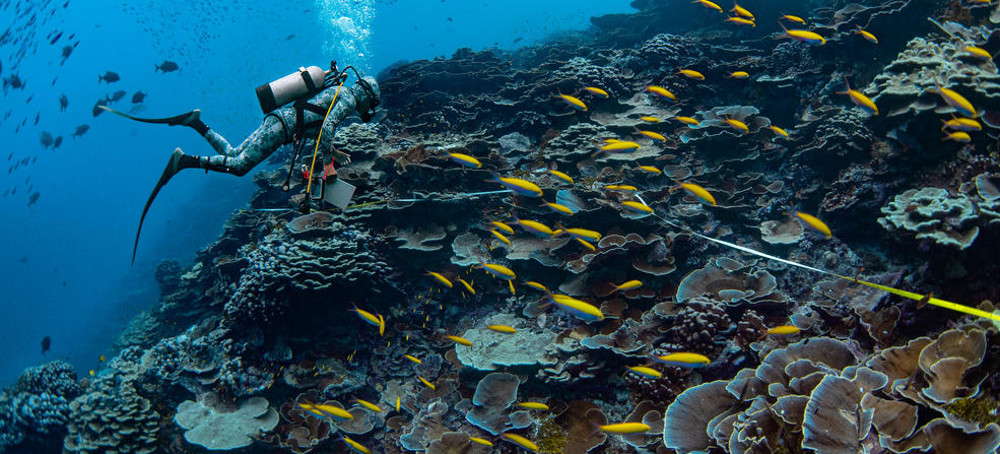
(341, 157)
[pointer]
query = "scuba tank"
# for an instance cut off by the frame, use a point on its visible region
(291, 87)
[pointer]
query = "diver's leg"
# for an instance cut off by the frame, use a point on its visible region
(219, 143)
(270, 135)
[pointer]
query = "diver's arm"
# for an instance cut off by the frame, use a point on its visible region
(360, 98)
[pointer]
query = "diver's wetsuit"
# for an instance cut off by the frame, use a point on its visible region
(278, 129)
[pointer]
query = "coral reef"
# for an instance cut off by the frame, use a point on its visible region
(112, 417)
(37, 407)
(933, 214)
(822, 394)
(421, 317)
(217, 429)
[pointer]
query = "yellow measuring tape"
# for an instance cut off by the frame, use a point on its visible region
(895, 291)
(320, 136)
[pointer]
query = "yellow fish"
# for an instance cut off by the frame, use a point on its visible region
(741, 21)
(814, 222)
(502, 329)
(504, 227)
(791, 18)
(312, 410)
(333, 410)
(521, 441)
(533, 405)
(368, 405)
(648, 119)
(368, 317)
(651, 169)
(586, 244)
(691, 73)
(101, 358)
(481, 441)
(498, 271)
(581, 233)
(460, 340)
(859, 99)
(561, 209)
(644, 371)
(867, 35)
(778, 131)
(742, 12)
(784, 330)
(963, 124)
(698, 192)
(621, 187)
(561, 176)
(958, 136)
(412, 358)
(803, 36)
(658, 90)
(978, 52)
(397, 404)
(625, 428)
(709, 5)
(468, 286)
(500, 236)
(957, 101)
(523, 187)
(739, 75)
(688, 120)
(628, 285)
(91, 372)
(427, 383)
(622, 145)
(685, 359)
(536, 286)
(580, 309)
(356, 446)
(637, 206)
(535, 227)
(381, 325)
(597, 91)
(441, 279)
(573, 102)
(652, 135)
(465, 160)
(736, 124)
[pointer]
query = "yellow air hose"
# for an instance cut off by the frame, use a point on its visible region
(320, 136)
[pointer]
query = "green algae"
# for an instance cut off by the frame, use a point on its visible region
(979, 410)
(551, 438)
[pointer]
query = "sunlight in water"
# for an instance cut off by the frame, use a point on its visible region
(349, 29)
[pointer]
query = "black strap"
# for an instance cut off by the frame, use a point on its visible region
(301, 106)
(307, 78)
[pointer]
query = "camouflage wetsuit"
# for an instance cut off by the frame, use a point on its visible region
(278, 129)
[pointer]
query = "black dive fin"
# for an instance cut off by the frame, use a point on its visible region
(173, 166)
(172, 121)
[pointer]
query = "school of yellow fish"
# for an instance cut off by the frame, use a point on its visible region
(957, 128)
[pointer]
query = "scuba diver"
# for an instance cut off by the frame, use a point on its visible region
(319, 103)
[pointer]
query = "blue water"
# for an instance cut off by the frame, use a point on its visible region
(65, 269)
